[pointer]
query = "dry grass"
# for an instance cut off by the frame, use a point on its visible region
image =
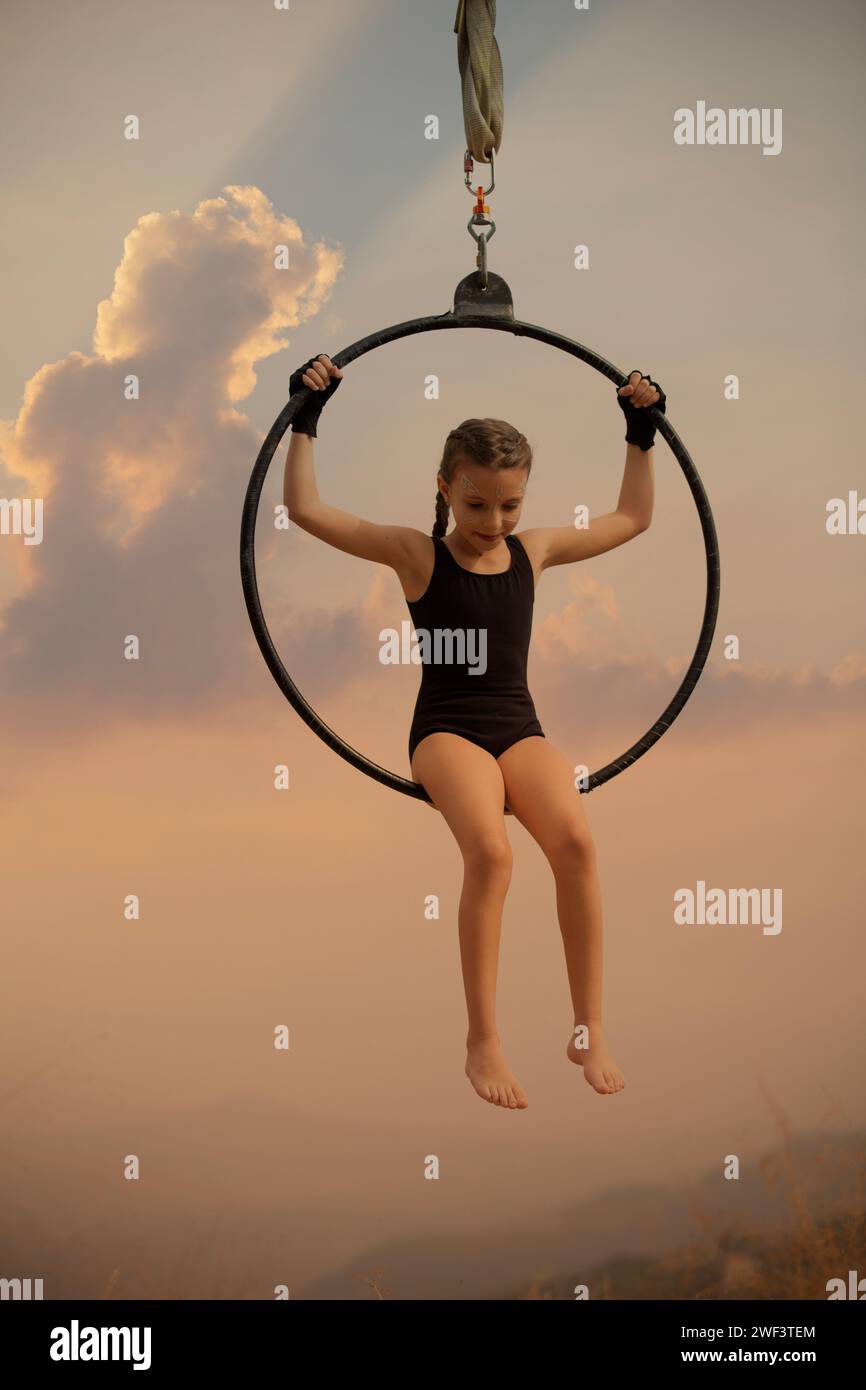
(733, 1263)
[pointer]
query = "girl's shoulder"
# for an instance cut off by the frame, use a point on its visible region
(527, 547)
(529, 542)
(416, 571)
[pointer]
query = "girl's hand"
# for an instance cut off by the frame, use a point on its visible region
(320, 375)
(639, 393)
(640, 390)
(320, 370)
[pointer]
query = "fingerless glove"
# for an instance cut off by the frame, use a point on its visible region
(307, 418)
(640, 429)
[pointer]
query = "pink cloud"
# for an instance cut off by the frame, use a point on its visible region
(142, 497)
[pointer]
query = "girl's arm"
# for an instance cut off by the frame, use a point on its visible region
(401, 547)
(562, 545)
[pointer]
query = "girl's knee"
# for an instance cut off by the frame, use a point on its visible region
(489, 852)
(573, 849)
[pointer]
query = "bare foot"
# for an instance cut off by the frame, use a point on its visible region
(492, 1077)
(599, 1068)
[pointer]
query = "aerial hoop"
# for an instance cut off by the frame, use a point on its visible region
(490, 308)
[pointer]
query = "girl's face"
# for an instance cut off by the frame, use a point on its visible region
(485, 504)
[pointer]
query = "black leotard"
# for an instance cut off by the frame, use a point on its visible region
(492, 708)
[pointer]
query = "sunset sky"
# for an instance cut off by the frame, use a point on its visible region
(305, 907)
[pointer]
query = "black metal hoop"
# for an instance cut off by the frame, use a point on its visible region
(474, 307)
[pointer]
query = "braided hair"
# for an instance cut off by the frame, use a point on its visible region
(493, 444)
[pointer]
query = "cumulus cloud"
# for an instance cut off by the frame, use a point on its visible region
(731, 699)
(584, 628)
(584, 678)
(142, 497)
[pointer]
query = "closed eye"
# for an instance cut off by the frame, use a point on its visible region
(479, 506)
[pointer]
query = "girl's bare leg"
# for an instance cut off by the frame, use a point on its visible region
(540, 788)
(466, 785)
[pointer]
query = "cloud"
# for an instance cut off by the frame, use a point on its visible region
(730, 701)
(583, 677)
(583, 628)
(142, 497)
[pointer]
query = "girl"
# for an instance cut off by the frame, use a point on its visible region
(475, 744)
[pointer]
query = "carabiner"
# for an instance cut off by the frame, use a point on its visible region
(468, 166)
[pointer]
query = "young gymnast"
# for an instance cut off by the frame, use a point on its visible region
(475, 743)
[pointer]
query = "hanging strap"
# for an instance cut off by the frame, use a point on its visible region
(481, 77)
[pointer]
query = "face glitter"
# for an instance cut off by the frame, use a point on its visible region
(467, 485)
